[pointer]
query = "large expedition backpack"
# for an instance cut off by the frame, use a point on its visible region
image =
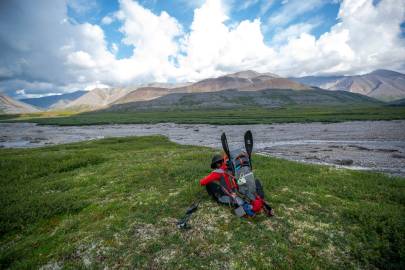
(240, 164)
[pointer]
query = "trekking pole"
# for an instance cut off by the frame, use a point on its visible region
(182, 223)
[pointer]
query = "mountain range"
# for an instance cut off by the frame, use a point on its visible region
(385, 85)
(237, 99)
(248, 80)
(243, 81)
(250, 86)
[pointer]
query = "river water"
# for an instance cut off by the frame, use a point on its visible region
(361, 145)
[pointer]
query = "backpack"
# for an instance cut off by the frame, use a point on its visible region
(240, 164)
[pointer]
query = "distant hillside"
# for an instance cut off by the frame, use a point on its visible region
(381, 84)
(101, 98)
(269, 98)
(244, 81)
(97, 98)
(55, 101)
(142, 94)
(12, 106)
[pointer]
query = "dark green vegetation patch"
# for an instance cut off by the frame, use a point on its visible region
(218, 117)
(231, 99)
(114, 202)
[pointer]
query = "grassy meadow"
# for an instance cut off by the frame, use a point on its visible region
(218, 117)
(114, 203)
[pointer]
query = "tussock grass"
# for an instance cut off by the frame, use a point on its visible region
(114, 203)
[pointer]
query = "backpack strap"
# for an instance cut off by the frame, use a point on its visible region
(224, 183)
(232, 182)
(228, 184)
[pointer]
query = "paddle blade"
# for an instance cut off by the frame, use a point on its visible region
(225, 145)
(249, 142)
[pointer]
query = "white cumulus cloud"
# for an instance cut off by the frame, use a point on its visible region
(154, 39)
(212, 48)
(366, 38)
(107, 20)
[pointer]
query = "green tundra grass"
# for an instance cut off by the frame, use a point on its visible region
(218, 117)
(114, 203)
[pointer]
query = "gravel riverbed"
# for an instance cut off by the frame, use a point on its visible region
(362, 145)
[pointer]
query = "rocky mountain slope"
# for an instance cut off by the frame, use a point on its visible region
(12, 106)
(54, 101)
(103, 97)
(269, 98)
(143, 94)
(382, 84)
(97, 98)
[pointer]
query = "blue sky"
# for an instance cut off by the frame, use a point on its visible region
(57, 46)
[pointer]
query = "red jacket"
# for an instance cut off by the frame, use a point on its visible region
(216, 175)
